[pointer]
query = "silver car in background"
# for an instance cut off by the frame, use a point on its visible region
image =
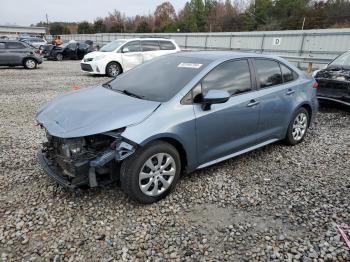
(173, 115)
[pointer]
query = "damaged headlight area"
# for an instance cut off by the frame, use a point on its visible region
(92, 160)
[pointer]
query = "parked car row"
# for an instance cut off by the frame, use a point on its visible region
(120, 56)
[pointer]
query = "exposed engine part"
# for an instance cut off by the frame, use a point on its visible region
(124, 150)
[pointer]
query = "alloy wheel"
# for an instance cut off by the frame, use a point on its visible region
(157, 174)
(30, 63)
(113, 70)
(299, 126)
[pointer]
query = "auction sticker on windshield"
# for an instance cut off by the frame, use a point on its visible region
(190, 65)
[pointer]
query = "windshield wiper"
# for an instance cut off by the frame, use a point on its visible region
(128, 93)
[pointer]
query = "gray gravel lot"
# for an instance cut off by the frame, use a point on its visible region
(276, 203)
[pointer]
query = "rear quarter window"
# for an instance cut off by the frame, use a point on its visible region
(288, 74)
(166, 45)
(268, 73)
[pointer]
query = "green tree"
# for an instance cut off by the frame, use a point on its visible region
(85, 28)
(99, 26)
(143, 27)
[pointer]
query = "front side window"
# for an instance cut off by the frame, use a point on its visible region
(268, 72)
(132, 47)
(15, 45)
(150, 46)
(166, 45)
(112, 46)
(233, 76)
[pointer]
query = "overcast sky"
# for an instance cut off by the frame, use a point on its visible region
(26, 12)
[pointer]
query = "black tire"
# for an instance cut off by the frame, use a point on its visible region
(59, 57)
(131, 168)
(30, 63)
(113, 69)
(292, 139)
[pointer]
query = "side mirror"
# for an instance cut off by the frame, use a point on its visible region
(214, 97)
(126, 50)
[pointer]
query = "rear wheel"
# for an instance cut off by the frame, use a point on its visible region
(30, 63)
(59, 57)
(113, 69)
(298, 127)
(151, 173)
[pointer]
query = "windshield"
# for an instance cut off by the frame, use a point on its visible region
(159, 79)
(342, 61)
(112, 46)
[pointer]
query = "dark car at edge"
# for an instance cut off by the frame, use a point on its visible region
(334, 80)
(72, 50)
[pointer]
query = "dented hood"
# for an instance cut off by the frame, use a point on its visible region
(92, 111)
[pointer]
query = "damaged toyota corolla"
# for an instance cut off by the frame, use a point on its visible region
(173, 115)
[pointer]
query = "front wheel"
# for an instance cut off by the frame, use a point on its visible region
(297, 127)
(151, 173)
(59, 57)
(113, 69)
(30, 63)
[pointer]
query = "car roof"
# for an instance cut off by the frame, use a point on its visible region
(222, 55)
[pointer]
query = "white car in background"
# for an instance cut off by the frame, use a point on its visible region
(122, 55)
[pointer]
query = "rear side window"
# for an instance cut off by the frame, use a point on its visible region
(233, 76)
(268, 73)
(150, 46)
(288, 74)
(15, 45)
(2, 45)
(166, 45)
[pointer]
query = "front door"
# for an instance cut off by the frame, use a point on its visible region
(16, 51)
(232, 126)
(131, 55)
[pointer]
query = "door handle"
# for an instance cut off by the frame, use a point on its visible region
(253, 103)
(290, 92)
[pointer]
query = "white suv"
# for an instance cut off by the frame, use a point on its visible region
(122, 55)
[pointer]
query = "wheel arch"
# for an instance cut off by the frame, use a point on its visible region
(175, 142)
(308, 108)
(29, 57)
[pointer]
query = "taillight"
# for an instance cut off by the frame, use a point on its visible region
(314, 84)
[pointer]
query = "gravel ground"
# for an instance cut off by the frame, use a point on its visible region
(276, 203)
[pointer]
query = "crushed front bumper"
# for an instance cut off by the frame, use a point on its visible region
(55, 174)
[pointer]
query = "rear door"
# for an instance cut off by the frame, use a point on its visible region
(131, 55)
(151, 49)
(276, 95)
(229, 127)
(16, 52)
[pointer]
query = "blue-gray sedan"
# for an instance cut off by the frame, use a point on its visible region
(173, 115)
